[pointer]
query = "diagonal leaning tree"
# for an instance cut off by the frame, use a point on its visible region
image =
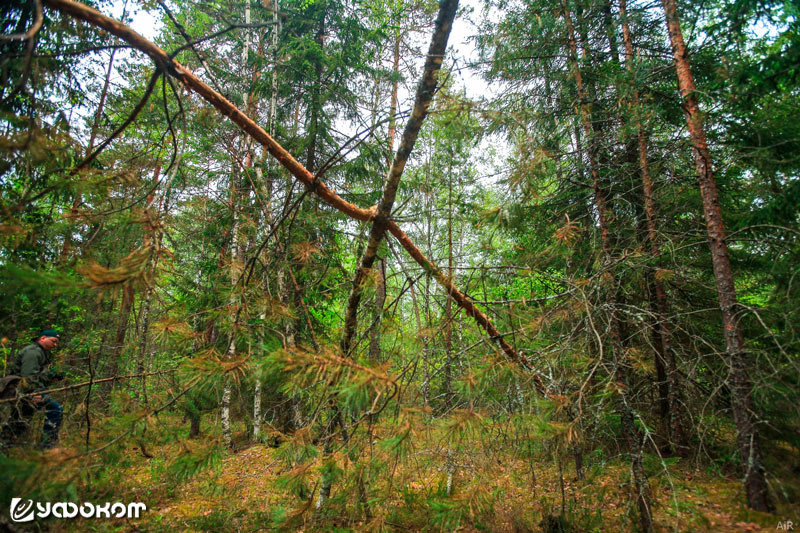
(380, 217)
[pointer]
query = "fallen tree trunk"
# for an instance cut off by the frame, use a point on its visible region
(168, 64)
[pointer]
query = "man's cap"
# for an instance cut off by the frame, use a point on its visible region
(49, 333)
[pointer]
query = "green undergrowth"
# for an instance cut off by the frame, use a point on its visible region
(495, 485)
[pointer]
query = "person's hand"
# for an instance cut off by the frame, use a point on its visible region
(37, 399)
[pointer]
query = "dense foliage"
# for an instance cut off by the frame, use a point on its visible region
(177, 254)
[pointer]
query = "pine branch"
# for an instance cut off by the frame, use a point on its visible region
(223, 105)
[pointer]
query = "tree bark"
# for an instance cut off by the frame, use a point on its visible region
(380, 301)
(666, 364)
(741, 389)
(622, 374)
(234, 272)
(185, 76)
(424, 96)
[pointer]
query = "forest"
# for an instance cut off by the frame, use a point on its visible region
(349, 265)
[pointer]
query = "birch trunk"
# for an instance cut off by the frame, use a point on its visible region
(223, 105)
(236, 243)
(266, 183)
(225, 414)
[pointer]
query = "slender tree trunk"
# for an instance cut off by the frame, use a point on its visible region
(122, 328)
(264, 186)
(236, 237)
(185, 76)
(157, 237)
(448, 311)
(393, 102)
(380, 301)
(146, 304)
(265, 183)
(425, 372)
(315, 110)
(425, 91)
(608, 23)
(622, 374)
(302, 304)
(326, 484)
(273, 97)
(257, 407)
(225, 414)
(428, 350)
(424, 95)
(380, 289)
(666, 366)
(225, 419)
(741, 388)
(316, 100)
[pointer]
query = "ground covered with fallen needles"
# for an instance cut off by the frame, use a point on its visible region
(478, 482)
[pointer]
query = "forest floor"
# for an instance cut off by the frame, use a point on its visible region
(491, 490)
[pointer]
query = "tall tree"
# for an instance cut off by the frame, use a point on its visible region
(635, 437)
(744, 411)
(669, 383)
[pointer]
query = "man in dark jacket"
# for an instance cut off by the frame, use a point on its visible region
(32, 364)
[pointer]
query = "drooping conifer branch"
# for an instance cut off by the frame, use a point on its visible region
(169, 65)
